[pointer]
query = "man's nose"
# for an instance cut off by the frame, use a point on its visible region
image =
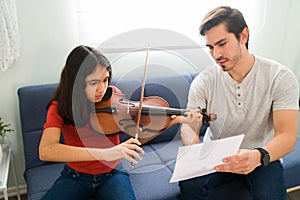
(217, 53)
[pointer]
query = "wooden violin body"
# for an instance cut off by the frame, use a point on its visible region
(118, 114)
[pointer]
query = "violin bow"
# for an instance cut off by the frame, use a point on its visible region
(138, 128)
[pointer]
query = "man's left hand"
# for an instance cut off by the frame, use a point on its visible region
(244, 162)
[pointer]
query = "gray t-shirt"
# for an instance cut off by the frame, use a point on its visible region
(245, 108)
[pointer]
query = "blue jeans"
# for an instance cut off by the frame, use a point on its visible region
(265, 183)
(114, 185)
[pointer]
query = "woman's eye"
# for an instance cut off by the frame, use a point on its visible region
(94, 83)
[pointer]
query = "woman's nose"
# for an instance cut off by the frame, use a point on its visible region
(100, 87)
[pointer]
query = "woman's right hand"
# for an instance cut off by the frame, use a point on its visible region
(128, 150)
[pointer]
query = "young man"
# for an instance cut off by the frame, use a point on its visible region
(251, 95)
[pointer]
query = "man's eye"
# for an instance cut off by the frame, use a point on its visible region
(222, 44)
(210, 47)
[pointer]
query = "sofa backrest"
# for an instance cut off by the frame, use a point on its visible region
(33, 100)
(32, 106)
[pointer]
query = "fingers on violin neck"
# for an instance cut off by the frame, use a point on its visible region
(213, 117)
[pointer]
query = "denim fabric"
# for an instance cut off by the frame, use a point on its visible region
(74, 185)
(265, 183)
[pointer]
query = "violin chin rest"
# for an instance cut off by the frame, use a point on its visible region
(107, 94)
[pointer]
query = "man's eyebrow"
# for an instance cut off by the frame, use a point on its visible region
(218, 42)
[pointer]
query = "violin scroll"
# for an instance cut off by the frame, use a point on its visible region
(207, 117)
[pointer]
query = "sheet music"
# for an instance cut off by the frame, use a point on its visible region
(200, 159)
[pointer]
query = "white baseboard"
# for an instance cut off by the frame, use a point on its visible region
(12, 192)
(293, 189)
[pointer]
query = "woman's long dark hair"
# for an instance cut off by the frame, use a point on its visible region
(73, 104)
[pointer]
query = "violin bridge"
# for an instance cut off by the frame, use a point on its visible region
(128, 107)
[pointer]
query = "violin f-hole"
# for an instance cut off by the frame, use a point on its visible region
(122, 101)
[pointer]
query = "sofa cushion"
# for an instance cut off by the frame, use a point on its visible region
(155, 171)
(291, 165)
(40, 179)
(154, 185)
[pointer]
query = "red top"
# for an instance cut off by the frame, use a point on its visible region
(83, 137)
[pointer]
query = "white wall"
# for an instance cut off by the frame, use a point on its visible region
(48, 32)
(279, 38)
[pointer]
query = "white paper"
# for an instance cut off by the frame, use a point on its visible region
(200, 159)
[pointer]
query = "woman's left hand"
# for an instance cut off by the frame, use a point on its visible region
(244, 162)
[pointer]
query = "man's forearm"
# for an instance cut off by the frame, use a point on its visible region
(188, 135)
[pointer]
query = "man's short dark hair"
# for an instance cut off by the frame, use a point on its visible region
(232, 18)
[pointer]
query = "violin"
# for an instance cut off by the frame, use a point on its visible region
(118, 114)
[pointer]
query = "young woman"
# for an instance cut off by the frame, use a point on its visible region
(92, 160)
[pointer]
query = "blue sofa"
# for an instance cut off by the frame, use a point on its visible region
(150, 177)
